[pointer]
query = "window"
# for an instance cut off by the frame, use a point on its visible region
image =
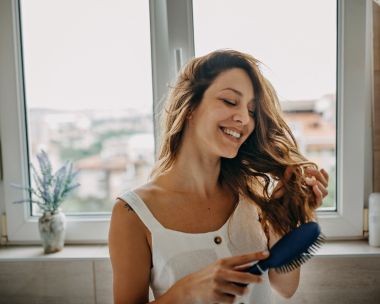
(85, 86)
(88, 94)
(174, 37)
(298, 52)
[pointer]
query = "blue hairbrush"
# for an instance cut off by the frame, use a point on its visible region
(292, 250)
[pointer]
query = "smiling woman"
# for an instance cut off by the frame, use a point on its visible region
(207, 210)
(304, 72)
(226, 107)
(189, 221)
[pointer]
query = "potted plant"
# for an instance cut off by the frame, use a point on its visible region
(48, 193)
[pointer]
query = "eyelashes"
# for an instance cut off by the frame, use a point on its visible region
(232, 103)
(229, 102)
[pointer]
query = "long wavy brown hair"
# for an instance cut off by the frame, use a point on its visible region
(262, 159)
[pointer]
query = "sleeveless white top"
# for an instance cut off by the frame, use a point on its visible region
(176, 254)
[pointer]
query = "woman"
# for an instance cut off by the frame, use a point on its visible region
(229, 182)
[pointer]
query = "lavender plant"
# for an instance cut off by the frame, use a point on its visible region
(50, 189)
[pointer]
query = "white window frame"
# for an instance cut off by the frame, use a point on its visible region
(354, 95)
(172, 45)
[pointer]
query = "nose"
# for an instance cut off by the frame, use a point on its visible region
(242, 116)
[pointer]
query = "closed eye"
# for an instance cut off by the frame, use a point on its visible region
(229, 102)
(232, 103)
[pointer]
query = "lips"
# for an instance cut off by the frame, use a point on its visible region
(230, 137)
(232, 132)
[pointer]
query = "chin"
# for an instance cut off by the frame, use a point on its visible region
(230, 155)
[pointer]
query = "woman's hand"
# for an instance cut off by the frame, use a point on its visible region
(317, 179)
(215, 283)
(286, 284)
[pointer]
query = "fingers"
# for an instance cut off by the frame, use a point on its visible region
(322, 189)
(318, 188)
(325, 174)
(319, 191)
(317, 179)
(232, 289)
(234, 283)
(318, 195)
(229, 283)
(234, 276)
(244, 259)
(321, 176)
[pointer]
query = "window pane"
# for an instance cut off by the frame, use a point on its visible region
(88, 93)
(296, 41)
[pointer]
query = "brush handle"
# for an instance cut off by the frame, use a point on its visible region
(257, 269)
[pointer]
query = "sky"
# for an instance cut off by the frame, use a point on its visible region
(95, 54)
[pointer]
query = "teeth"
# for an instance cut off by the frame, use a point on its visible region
(232, 133)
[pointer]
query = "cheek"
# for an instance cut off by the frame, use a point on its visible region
(250, 129)
(251, 126)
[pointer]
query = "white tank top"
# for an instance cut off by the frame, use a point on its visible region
(176, 254)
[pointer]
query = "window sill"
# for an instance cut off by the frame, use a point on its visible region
(70, 252)
(348, 248)
(357, 248)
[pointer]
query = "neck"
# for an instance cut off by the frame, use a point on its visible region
(194, 172)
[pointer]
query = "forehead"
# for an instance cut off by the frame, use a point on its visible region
(236, 79)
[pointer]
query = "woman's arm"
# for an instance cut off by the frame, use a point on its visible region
(130, 256)
(285, 284)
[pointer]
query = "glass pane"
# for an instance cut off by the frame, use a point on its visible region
(296, 42)
(89, 93)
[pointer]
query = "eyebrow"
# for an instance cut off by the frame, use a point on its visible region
(239, 93)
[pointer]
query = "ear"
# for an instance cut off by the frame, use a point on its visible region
(189, 115)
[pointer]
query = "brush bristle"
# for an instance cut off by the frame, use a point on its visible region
(304, 257)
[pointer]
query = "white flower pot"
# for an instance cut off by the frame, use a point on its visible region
(52, 231)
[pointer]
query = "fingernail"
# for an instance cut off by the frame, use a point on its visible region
(310, 179)
(265, 253)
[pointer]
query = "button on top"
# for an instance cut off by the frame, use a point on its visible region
(218, 240)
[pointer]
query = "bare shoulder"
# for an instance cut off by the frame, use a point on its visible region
(145, 192)
(130, 255)
(125, 217)
(150, 192)
(125, 224)
(120, 205)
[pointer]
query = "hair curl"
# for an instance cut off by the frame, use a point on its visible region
(262, 159)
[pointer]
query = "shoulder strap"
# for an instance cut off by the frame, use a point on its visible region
(141, 209)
